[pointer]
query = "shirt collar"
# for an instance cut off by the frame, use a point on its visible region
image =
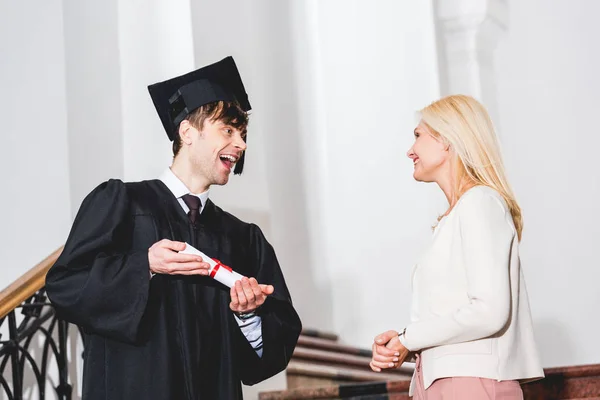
(178, 188)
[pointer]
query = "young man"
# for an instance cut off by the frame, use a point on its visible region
(156, 326)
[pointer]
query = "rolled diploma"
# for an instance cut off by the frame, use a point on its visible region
(218, 271)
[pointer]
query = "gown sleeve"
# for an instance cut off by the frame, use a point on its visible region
(97, 282)
(281, 325)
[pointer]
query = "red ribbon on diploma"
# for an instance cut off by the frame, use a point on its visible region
(216, 268)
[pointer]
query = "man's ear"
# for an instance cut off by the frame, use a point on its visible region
(185, 130)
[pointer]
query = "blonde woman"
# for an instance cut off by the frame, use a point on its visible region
(471, 329)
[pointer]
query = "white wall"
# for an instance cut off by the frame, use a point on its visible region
(548, 87)
(35, 202)
(94, 102)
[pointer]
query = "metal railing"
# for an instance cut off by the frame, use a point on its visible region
(33, 341)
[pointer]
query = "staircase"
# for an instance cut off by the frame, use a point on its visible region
(320, 360)
(322, 368)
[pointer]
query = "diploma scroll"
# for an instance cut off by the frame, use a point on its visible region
(218, 271)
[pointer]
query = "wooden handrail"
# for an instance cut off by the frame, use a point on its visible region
(26, 286)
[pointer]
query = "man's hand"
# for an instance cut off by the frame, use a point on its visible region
(164, 258)
(388, 352)
(247, 295)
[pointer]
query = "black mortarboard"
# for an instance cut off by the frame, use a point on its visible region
(176, 98)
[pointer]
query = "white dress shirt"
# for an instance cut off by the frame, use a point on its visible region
(251, 327)
(470, 311)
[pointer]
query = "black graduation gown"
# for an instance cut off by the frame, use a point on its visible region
(169, 337)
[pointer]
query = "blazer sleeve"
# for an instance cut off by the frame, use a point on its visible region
(487, 235)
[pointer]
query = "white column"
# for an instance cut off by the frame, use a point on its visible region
(155, 44)
(468, 33)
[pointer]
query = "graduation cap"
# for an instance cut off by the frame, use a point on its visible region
(176, 98)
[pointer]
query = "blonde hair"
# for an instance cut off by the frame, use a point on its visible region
(464, 124)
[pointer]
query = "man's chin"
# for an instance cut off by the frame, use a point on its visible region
(222, 181)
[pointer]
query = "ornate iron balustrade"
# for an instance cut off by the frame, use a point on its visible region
(38, 322)
(33, 341)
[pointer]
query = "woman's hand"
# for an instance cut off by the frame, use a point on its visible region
(388, 352)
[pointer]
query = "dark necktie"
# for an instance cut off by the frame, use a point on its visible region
(193, 204)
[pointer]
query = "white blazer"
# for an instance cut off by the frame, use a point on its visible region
(470, 311)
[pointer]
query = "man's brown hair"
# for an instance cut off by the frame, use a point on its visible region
(229, 113)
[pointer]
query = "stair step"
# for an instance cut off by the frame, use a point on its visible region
(339, 373)
(314, 333)
(325, 344)
(396, 390)
(346, 360)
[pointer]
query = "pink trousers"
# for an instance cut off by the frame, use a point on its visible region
(465, 388)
